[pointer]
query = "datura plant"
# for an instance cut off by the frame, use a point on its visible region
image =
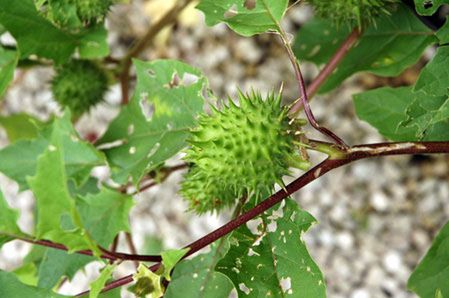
(248, 154)
(241, 150)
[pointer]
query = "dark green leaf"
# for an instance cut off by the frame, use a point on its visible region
(11, 287)
(34, 34)
(154, 125)
(273, 261)
(8, 62)
(105, 214)
(428, 7)
(432, 273)
(20, 126)
(245, 17)
(385, 108)
(56, 264)
(387, 49)
(196, 278)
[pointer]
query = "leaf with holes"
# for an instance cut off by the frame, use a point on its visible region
(431, 275)
(428, 7)
(196, 278)
(271, 260)
(386, 49)
(246, 17)
(154, 125)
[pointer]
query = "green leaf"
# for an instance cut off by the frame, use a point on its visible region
(93, 43)
(98, 284)
(427, 8)
(8, 222)
(8, 62)
(105, 214)
(196, 278)
(20, 126)
(148, 284)
(273, 261)
(154, 125)
(386, 49)
(11, 287)
(56, 264)
(434, 78)
(57, 217)
(170, 258)
(432, 273)
(34, 34)
(245, 17)
(63, 13)
(429, 117)
(385, 108)
(19, 159)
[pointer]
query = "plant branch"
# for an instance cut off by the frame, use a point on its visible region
(345, 157)
(167, 19)
(303, 92)
(329, 68)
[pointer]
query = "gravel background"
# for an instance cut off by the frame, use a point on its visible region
(376, 217)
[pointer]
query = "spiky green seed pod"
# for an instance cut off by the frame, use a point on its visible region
(352, 12)
(239, 151)
(92, 11)
(79, 85)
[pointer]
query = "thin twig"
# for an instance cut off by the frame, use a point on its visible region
(167, 19)
(303, 93)
(329, 68)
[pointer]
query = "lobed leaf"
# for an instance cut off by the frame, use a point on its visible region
(245, 17)
(57, 217)
(154, 125)
(105, 214)
(196, 278)
(20, 126)
(411, 113)
(99, 283)
(273, 261)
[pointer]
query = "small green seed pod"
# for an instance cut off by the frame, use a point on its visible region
(79, 85)
(239, 151)
(92, 11)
